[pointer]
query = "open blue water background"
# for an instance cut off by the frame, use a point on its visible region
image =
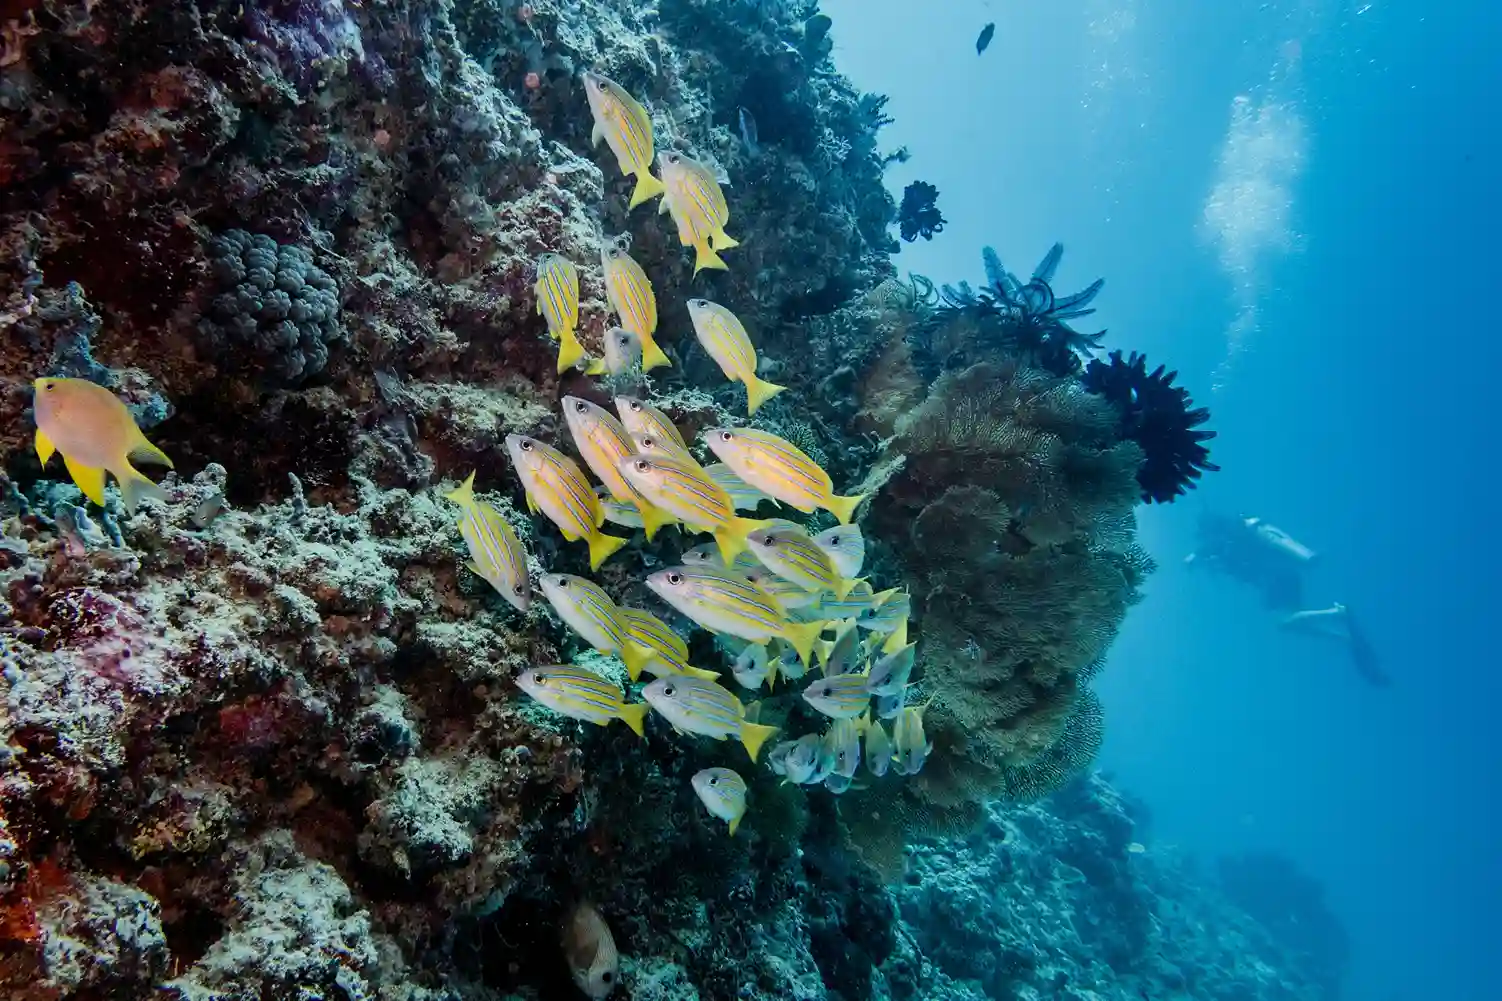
(1295, 203)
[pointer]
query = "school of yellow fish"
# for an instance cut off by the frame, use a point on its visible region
(779, 601)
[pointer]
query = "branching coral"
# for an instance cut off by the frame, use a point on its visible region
(919, 216)
(1158, 416)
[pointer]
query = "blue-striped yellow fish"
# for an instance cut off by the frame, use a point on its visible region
(627, 129)
(889, 618)
(555, 485)
(622, 353)
(878, 746)
(679, 486)
(651, 445)
(846, 546)
(557, 292)
(743, 495)
(591, 613)
(789, 595)
(641, 417)
(844, 696)
(890, 674)
(693, 705)
(722, 601)
(723, 793)
(617, 512)
(910, 748)
(859, 601)
(752, 666)
(724, 336)
(495, 553)
(668, 653)
(843, 740)
(843, 656)
(630, 294)
(780, 469)
(602, 442)
(791, 554)
(697, 203)
(801, 761)
(581, 694)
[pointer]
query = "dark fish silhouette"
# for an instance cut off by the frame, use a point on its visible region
(985, 37)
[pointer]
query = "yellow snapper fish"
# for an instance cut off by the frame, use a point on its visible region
(668, 653)
(725, 602)
(802, 761)
(556, 486)
(843, 656)
(641, 417)
(723, 793)
(743, 495)
(792, 554)
(751, 666)
(693, 705)
(589, 950)
(889, 618)
(910, 748)
(724, 336)
(844, 696)
(630, 294)
(95, 434)
(495, 553)
(846, 546)
(679, 486)
(843, 740)
(616, 512)
(889, 675)
(602, 442)
(789, 595)
(622, 353)
(780, 469)
(697, 203)
(580, 694)
(859, 601)
(591, 613)
(878, 745)
(627, 129)
(557, 292)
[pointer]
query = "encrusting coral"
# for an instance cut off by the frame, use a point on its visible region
(261, 739)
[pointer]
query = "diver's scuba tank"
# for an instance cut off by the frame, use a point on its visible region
(1280, 540)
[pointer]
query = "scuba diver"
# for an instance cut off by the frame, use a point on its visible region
(1272, 561)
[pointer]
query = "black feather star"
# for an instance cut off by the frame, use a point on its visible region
(1158, 416)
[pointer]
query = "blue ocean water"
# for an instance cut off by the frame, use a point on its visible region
(1293, 204)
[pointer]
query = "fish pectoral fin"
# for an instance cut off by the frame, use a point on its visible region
(532, 506)
(596, 134)
(88, 479)
(735, 822)
(45, 448)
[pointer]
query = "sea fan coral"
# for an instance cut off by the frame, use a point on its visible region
(1158, 416)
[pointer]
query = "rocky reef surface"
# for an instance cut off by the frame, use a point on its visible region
(261, 740)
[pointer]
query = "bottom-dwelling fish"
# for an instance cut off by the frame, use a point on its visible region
(580, 694)
(703, 707)
(95, 434)
(589, 949)
(723, 793)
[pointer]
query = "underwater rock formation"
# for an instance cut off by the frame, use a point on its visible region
(262, 740)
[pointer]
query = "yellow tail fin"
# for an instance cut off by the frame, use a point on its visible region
(753, 735)
(731, 537)
(569, 351)
(759, 391)
(601, 546)
(135, 488)
(701, 674)
(843, 508)
(721, 240)
(464, 493)
(653, 518)
(705, 257)
(596, 366)
(636, 657)
(842, 588)
(652, 355)
(897, 640)
(801, 636)
(634, 715)
(823, 648)
(647, 188)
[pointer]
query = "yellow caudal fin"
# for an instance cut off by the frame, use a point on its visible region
(601, 546)
(596, 366)
(897, 640)
(634, 715)
(801, 636)
(705, 257)
(636, 658)
(45, 448)
(879, 598)
(721, 240)
(134, 488)
(145, 451)
(569, 351)
(90, 481)
(735, 821)
(843, 508)
(652, 355)
(842, 588)
(753, 735)
(823, 648)
(652, 518)
(647, 188)
(759, 391)
(731, 537)
(464, 493)
(701, 674)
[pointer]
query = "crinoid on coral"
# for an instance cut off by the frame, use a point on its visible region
(1008, 314)
(1158, 416)
(919, 216)
(1007, 497)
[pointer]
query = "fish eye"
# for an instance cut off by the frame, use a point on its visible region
(669, 690)
(581, 407)
(526, 444)
(714, 780)
(541, 679)
(642, 465)
(48, 386)
(675, 578)
(606, 977)
(635, 406)
(726, 436)
(672, 158)
(519, 590)
(563, 582)
(623, 338)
